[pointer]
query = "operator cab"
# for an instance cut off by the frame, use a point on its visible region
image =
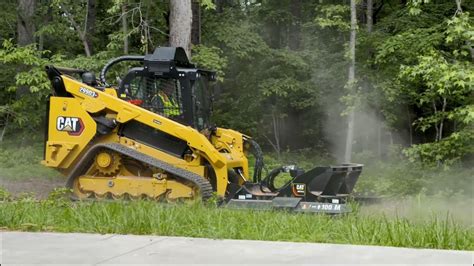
(169, 85)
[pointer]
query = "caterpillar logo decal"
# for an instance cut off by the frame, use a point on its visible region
(72, 125)
(298, 189)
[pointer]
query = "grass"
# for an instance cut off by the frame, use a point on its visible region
(369, 226)
(22, 160)
(200, 220)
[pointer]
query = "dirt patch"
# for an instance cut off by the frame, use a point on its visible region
(40, 187)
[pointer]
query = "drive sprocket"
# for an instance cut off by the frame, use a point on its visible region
(107, 162)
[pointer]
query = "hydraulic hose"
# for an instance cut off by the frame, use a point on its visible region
(269, 180)
(259, 164)
(114, 61)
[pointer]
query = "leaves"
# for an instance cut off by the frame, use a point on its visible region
(210, 58)
(278, 63)
(450, 150)
(334, 16)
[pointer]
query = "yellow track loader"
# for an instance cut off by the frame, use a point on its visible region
(150, 137)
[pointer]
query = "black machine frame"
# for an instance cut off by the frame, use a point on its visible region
(170, 63)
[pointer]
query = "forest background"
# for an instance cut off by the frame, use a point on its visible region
(391, 88)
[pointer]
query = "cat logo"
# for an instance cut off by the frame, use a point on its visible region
(72, 125)
(298, 189)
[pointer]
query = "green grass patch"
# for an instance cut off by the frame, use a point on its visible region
(20, 160)
(200, 220)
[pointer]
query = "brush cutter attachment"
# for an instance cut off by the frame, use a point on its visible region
(322, 189)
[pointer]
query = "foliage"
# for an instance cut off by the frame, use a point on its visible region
(4, 194)
(210, 58)
(31, 76)
(435, 75)
(282, 69)
(334, 16)
(449, 150)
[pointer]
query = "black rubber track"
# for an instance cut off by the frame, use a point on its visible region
(205, 188)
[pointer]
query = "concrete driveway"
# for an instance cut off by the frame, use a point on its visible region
(94, 249)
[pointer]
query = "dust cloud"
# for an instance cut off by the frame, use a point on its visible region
(424, 209)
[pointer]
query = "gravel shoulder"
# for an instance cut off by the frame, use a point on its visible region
(38, 186)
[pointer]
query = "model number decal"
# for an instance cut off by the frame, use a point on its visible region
(72, 125)
(88, 92)
(321, 206)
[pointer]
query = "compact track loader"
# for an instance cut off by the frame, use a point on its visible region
(150, 137)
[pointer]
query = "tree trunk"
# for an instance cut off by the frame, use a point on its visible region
(410, 126)
(86, 46)
(443, 109)
(295, 27)
(45, 21)
(125, 28)
(146, 27)
(458, 7)
(25, 30)
(90, 23)
(82, 33)
(435, 111)
(349, 137)
(196, 25)
(26, 25)
(370, 23)
(379, 140)
(276, 133)
(4, 129)
(370, 15)
(468, 43)
(351, 83)
(180, 24)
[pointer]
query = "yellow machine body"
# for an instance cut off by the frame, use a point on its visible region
(72, 131)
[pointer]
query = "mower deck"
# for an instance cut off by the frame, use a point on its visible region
(322, 189)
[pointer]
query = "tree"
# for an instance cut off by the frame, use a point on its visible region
(370, 15)
(295, 27)
(180, 24)
(124, 27)
(25, 30)
(351, 83)
(196, 25)
(90, 23)
(431, 72)
(26, 25)
(82, 22)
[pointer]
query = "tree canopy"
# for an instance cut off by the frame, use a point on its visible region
(282, 66)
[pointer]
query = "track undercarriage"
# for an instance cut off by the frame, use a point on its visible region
(112, 171)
